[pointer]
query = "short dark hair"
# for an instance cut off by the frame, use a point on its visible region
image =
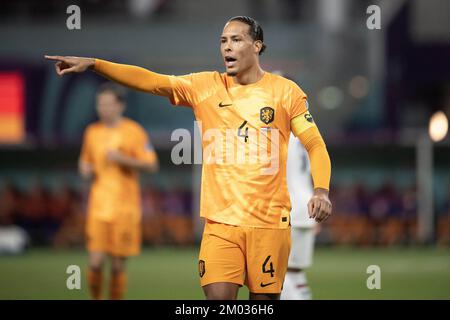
(119, 91)
(255, 31)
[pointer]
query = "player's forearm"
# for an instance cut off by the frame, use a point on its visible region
(150, 165)
(318, 157)
(134, 77)
(133, 163)
(320, 167)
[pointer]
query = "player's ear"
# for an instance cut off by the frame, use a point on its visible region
(258, 46)
(122, 107)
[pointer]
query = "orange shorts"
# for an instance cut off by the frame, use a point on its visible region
(255, 257)
(116, 239)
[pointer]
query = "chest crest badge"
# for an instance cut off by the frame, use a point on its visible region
(267, 114)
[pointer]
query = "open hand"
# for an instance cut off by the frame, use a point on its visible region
(115, 156)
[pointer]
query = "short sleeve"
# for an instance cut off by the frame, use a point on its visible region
(142, 146)
(182, 90)
(189, 90)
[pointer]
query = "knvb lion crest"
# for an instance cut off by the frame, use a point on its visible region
(267, 114)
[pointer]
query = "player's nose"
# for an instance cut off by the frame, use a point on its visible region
(226, 46)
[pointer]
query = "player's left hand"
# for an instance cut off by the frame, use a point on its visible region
(319, 206)
(115, 156)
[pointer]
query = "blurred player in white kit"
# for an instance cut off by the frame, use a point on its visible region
(303, 228)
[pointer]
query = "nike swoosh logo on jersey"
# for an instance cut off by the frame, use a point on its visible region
(221, 105)
(266, 284)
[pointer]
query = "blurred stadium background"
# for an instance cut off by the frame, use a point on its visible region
(372, 93)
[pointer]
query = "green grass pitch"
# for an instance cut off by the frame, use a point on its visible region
(171, 273)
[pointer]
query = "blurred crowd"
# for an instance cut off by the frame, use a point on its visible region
(384, 216)
(361, 216)
(57, 217)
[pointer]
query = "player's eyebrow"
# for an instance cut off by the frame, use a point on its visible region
(233, 36)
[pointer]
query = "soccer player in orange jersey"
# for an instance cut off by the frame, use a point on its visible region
(246, 239)
(113, 151)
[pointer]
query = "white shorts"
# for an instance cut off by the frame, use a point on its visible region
(302, 247)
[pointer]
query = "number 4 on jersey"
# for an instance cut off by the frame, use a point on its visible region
(241, 133)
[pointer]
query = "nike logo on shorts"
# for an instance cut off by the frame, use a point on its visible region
(265, 284)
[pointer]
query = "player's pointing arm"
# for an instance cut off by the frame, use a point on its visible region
(131, 76)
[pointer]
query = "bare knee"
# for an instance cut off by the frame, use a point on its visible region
(221, 291)
(96, 260)
(117, 264)
(264, 296)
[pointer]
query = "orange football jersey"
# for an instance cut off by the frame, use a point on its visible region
(115, 192)
(245, 130)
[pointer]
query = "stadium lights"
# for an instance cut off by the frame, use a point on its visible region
(330, 97)
(358, 87)
(437, 130)
(438, 126)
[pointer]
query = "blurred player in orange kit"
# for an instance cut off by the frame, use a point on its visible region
(246, 239)
(114, 150)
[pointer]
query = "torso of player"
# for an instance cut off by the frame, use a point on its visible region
(299, 183)
(252, 120)
(115, 193)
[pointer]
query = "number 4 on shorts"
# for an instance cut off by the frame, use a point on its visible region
(271, 270)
